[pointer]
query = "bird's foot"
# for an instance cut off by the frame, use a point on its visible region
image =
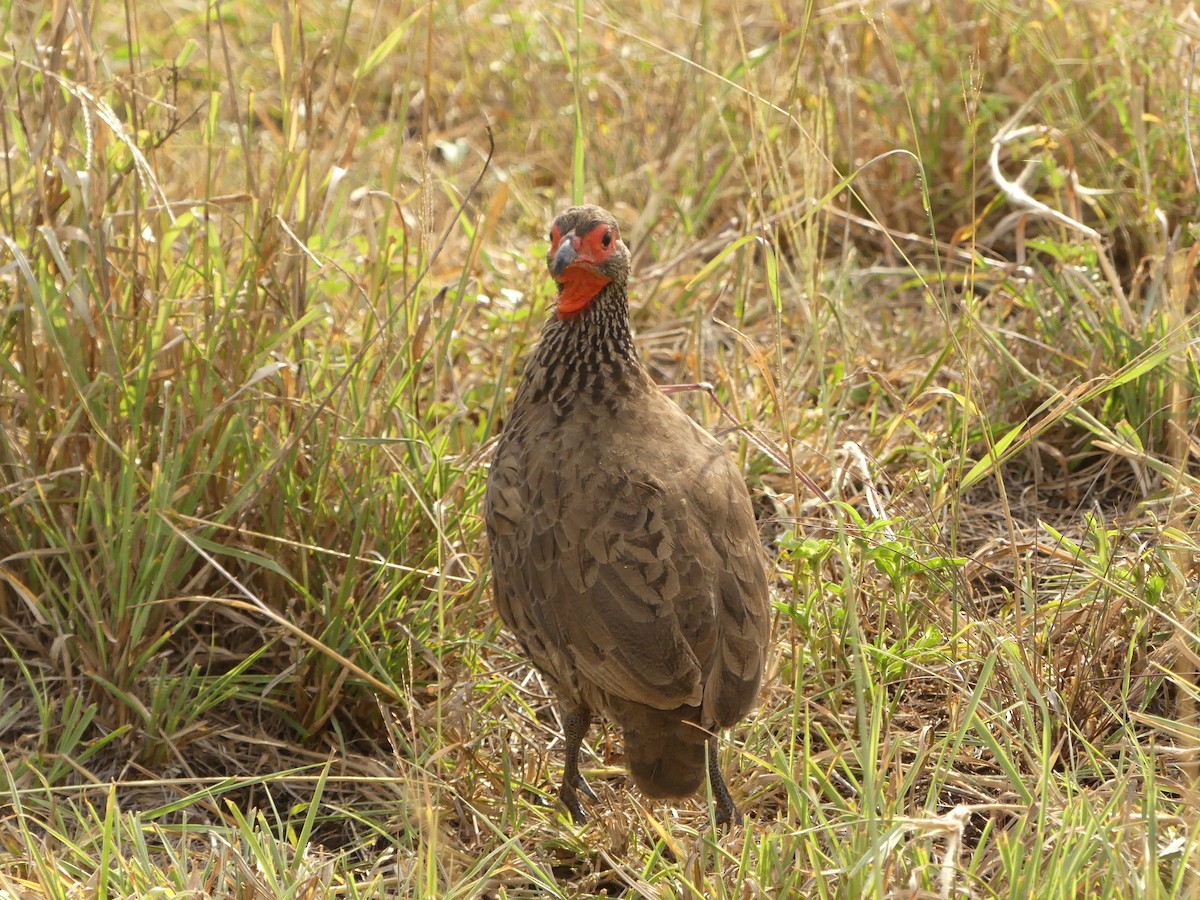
(569, 795)
(726, 811)
(582, 785)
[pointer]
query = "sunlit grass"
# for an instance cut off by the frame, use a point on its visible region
(268, 280)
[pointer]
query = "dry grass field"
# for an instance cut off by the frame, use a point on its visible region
(268, 272)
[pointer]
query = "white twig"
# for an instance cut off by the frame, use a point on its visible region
(1014, 190)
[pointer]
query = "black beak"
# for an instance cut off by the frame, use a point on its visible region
(564, 256)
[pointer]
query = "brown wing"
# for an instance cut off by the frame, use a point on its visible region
(594, 586)
(743, 600)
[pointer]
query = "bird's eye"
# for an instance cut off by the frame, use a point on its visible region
(607, 239)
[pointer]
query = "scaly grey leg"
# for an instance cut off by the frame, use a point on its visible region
(575, 725)
(726, 811)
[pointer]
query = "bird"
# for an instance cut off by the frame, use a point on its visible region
(624, 550)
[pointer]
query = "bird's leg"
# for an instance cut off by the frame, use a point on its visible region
(575, 725)
(726, 811)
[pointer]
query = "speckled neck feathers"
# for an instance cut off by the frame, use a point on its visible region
(588, 358)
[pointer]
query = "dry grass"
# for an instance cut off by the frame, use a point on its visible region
(268, 279)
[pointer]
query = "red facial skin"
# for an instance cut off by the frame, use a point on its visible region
(581, 280)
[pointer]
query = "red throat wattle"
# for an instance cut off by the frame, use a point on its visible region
(576, 259)
(579, 287)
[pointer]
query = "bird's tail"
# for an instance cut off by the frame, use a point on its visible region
(664, 749)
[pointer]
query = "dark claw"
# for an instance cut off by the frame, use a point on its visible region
(581, 784)
(726, 811)
(567, 793)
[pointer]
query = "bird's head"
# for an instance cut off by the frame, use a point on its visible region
(586, 253)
